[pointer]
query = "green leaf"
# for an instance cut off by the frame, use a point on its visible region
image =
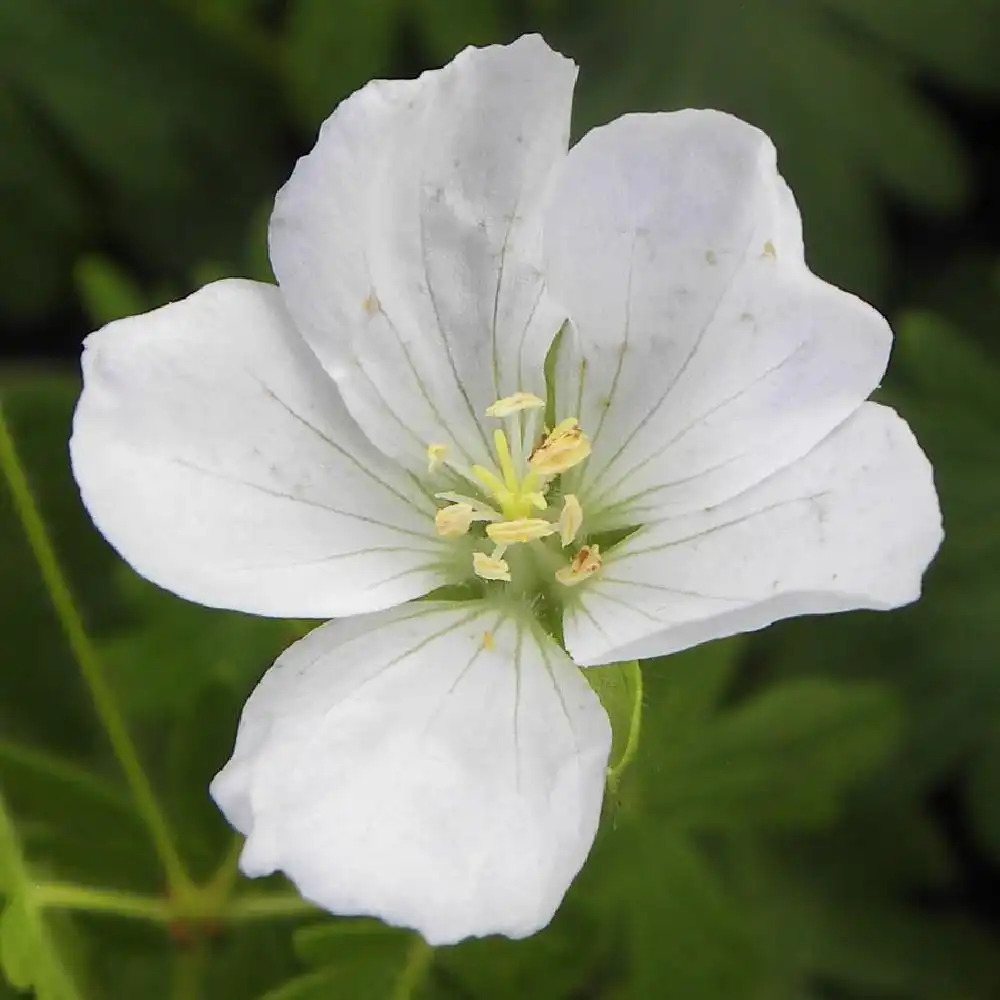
(560, 962)
(31, 957)
(63, 810)
(781, 759)
(361, 959)
(685, 928)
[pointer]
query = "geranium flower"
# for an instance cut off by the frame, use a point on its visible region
(375, 440)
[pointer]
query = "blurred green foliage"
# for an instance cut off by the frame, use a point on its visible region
(781, 833)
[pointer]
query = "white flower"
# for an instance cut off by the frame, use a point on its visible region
(373, 428)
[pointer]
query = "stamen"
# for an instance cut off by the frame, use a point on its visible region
(584, 565)
(482, 511)
(565, 446)
(524, 529)
(454, 521)
(570, 519)
(490, 568)
(436, 454)
(514, 404)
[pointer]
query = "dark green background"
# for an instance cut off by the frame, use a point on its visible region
(815, 812)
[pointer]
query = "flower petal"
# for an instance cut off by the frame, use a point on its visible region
(712, 356)
(407, 243)
(852, 525)
(215, 455)
(438, 766)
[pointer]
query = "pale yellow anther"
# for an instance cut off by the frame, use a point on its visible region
(584, 565)
(514, 404)
(524, 529)
(455, 520)
(436, 454)
(490, 567)
(564, 446)
(570, 519)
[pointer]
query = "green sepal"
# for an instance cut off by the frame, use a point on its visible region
(619, 686)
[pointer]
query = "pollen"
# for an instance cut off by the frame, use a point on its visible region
(564, 446)
(490, 567)
(524, 529)
(514, 404)
(570, 519)
(585, 564)
(436, 454)
(455, 520)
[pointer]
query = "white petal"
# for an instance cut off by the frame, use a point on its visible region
(713, 356)
(407, 244)
(215, 455)
(852, 525)
(437, 766)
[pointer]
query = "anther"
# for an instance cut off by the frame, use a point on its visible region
(455, 520)
(584, 565)
(514, 404)
(524, 529)
(489, 567)
(570, 519)
(564, 446)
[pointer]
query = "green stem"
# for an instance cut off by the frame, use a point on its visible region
(156, 910)
(87, 658)
(66, 896)
(223, 881)
(418, 963)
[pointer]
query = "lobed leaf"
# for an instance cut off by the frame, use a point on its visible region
(31, 956)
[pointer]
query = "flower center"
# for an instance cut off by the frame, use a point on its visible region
(512, 492)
